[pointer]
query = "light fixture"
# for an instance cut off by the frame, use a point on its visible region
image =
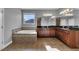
(47, 14)
(53, 16)
(61, 13)
(66, 12)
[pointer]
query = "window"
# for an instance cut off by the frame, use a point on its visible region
(71, 22)
(63, 22)
(28, 18)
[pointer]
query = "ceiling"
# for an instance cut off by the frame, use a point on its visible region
(39, 8)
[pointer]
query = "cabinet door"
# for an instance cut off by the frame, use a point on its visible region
(38, 32)
(62, 35)
(77, 39)
(65, 37)
(58, 34)
(52, 32)
(71, 41)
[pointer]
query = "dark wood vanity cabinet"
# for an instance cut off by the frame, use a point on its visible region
(77, 38)
(45, 32)
(52, 32)
(69, 37)
(42, 32)
(71, 40)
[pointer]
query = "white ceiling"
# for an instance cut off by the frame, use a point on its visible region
(39, 8)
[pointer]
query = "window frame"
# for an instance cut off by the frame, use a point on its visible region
(27, 14)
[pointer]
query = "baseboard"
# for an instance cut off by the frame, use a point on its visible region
(6, 45)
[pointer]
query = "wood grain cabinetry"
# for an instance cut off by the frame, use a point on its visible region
(42, 32)
(77, 38)
(45, 32)
(70, 37)
(52, 32)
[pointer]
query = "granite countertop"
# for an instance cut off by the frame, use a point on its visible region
(75, 29)
(69, 29)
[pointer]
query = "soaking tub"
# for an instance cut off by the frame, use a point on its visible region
(25, 36)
